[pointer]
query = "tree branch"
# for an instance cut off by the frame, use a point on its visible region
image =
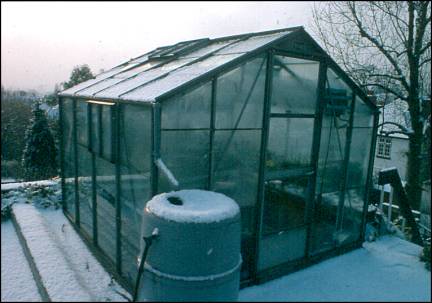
(364, 34)
(387, 89)
(398, 78)
(427, 45)
(421, 27)
(425, 61)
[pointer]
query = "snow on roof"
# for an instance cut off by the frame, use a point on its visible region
(198, 206)
(151, 75)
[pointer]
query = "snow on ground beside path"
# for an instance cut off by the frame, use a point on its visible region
(11, 186)
(68, 270)
(89, 270)
(56, 273)
(17, 282)
(386, 270)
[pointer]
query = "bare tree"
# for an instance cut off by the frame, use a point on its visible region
(384, 46)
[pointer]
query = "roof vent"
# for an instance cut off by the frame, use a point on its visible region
(176, 50)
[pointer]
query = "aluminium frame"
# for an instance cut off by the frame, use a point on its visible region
(325, 63)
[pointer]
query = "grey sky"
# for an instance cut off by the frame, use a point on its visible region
(41, 42)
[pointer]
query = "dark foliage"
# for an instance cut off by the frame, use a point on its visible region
(39, 157)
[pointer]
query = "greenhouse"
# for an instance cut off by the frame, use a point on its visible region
(268, 119)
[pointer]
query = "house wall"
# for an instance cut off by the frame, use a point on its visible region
(398, 158)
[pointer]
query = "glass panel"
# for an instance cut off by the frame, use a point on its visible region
(240, 96)
(235, 173)
(352, 216)
(185, 153)
(82, 125)
(252, 43)
(176, 78)
(295, 83)
(105, 200)
(338, 100)
(363, 115)
(286, 190)
(95, 121)
(359, 156)
(106, 132)
(331, 155)
(202, 51)
(188, 110)
(135, 151)
(289, 145)
(69, 157)
(334, 81)
(85, 189)
(282, 247)
(235, 169)
(285, 203)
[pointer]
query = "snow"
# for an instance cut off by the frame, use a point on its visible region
(387, 187)
(17, 282)
(388, 169)
(199, 206)
(161, 165)
(178, 77)
(252, 43)
(68, 270)
(137, 75)
(193, 278)
(8, 180)
(12, 186)
(386, 270)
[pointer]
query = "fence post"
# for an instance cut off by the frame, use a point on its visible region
(390, 207)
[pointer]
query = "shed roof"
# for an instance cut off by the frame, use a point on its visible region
(156, 74)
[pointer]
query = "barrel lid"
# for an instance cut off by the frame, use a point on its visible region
(193, 206)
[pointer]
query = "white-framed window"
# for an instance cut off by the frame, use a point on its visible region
(384, 147)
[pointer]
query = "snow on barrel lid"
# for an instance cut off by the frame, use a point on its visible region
(193, 206)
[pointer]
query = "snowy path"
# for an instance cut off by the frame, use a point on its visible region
(386, 270)
(67, 268)
(17, 282)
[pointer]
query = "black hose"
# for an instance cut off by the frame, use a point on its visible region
(148, 242)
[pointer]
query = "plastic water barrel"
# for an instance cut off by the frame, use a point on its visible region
(196, 256)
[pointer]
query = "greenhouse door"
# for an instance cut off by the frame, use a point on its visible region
(288, 171)
(286, 189)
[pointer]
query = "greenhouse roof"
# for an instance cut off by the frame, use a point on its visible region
(154, 74)
(167, 70)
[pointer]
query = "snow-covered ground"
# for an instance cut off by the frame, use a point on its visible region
(68, 270)
(388, 269)
(385, 270)
(17, 282)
